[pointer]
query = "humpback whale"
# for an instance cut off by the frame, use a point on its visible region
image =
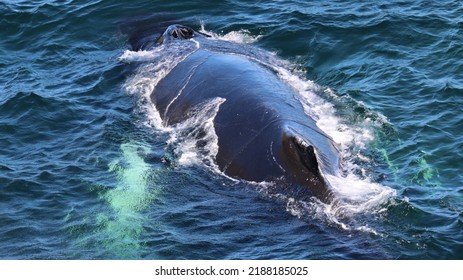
(262, 130)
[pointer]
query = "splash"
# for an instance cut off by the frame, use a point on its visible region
(139, 56)
(158, 64)
(194, 139)
(242, 36)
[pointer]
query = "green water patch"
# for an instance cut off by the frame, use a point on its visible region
(426, 174)
(136, 189)
(414, 170)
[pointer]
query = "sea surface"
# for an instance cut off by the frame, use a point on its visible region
(87, 171)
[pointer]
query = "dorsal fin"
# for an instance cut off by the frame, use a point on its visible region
(302, 163)
(306, 153)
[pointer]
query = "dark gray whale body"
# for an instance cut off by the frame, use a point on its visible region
(263, 132)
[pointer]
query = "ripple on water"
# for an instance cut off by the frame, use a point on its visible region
(64, 117)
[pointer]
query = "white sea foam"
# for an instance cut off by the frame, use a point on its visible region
(194, 139)
(139, 56)
(160, 62)
(242, 36)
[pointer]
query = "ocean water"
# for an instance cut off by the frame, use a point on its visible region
(87, 170)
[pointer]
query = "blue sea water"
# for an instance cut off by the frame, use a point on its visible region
(87, 173)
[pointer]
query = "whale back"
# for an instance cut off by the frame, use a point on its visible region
(263, 132)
